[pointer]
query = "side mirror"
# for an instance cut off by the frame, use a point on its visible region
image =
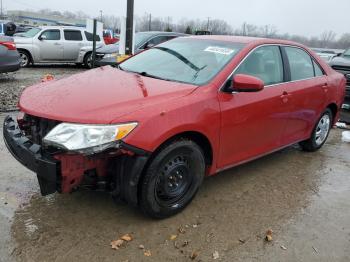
(247, 83)
(42, 37)
(149, 45)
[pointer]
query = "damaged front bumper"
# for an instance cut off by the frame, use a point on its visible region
(29, 154)
(63, 171)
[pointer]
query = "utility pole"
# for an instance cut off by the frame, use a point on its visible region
(1, 13)
(129, 27)
(208, 23)
(101, 15)
(150, 23)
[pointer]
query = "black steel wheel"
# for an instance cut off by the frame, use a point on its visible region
(172, 179)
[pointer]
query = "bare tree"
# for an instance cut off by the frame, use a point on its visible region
(326, 38)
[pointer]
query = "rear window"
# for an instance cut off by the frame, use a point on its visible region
(73, 35)
(301, 64)
(89, 36)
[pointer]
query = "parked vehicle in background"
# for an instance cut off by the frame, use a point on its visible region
(9, 57)
(150, 130)
(2, 29)
(109, 37)
(327, 54)
(56, 44)
(107, 55)
(341, 64)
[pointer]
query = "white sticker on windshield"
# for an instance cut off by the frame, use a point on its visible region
(219, 50)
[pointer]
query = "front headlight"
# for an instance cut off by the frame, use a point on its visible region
(114, 55)
(87, 138)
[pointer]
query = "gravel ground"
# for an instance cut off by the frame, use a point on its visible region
(11, 85)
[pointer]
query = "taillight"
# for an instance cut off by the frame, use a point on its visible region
(9, 45)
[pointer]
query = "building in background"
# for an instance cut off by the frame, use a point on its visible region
(37, 19)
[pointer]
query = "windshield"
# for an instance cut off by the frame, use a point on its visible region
(347, 52)
(31, 33)
(187, 60)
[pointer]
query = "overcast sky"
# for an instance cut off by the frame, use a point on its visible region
(305, 17)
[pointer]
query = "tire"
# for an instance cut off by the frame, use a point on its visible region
(88, 60)
(172, 179)
(320, 133)
(25, 58)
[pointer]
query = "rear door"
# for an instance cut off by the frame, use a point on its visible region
(253, 123)
(50, 45)
(73, 41)
(308, 88)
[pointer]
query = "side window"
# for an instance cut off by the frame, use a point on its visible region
(89, 36)
(318, 70)
(264, 63)
(52, 34)
(157, 40)
(300, 62)
(73, 35)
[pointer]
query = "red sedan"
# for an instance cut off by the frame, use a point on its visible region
(151, 130)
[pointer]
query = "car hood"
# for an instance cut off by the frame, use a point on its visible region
(98, 96)
(108, 49)
(340, 61)
(23, 40)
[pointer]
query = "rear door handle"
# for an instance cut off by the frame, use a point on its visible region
(325, 87)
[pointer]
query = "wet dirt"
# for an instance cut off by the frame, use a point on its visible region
(302, 197)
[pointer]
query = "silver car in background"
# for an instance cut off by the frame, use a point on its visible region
(9, 58)
(56, 44)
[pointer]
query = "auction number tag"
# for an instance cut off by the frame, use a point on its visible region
(219, 50)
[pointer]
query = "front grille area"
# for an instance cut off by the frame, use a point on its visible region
(36, 128)
(345, 70)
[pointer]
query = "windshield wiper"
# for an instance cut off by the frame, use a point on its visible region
(152, 76)
(179, 56)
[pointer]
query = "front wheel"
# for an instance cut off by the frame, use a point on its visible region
(320, 132)
(172, 179)
(25, 58)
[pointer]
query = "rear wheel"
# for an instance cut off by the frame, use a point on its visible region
(172, 179)
(320, 132)
(88, 60)
(25, 58)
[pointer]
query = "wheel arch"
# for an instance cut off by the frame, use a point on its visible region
(334, 108)
(28, 52)
(199, 138)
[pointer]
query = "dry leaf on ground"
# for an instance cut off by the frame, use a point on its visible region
(173, 237)
(116, 244)
(126, 237)
(268, 237)
(193, 255)
(216, 255)
(147, 253)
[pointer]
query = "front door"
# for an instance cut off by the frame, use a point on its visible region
(50, 45)
(253, 123)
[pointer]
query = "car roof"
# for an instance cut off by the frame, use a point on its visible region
(62, 27)
(246, 39)
(161, 33)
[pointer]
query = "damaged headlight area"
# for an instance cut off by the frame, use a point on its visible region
(87, 139)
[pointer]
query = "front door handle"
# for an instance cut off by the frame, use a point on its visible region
(285, 96)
